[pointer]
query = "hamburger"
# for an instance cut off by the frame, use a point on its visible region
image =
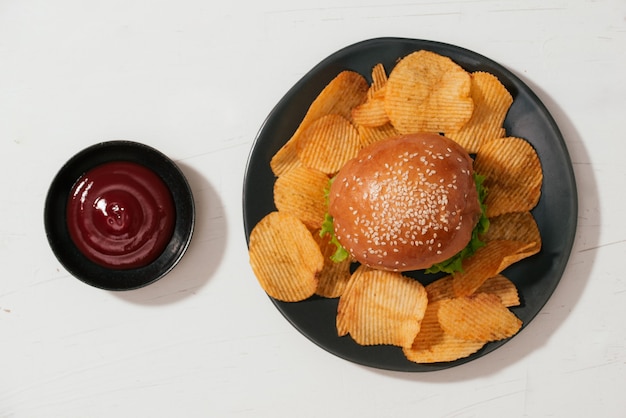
(406, 203)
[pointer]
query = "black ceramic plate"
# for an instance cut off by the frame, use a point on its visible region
(556, 213)
(56, 226)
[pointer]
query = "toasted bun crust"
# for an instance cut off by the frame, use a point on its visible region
(405, 203)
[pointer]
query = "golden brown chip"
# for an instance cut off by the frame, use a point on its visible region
(491, 103)
(345, 308)
(347, 90)
(382, 307)
(285, 159)
(372, 112)
(503, 287)
(427, 92)
(487, 262)
(328, 143)
(513, 175)
(440, 289)
(379, 78)
(284, 257)
(369, 135)
(499, 285)
(479, 317)
(515, 226)
(300, 191)
(334, 277)
(433, 344)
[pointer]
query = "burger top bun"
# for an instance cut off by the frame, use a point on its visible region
(405, 203)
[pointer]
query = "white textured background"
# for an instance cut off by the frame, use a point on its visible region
(196, 79)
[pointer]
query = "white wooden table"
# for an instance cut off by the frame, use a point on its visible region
(196, 80)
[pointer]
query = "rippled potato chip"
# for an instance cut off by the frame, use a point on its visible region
(300, 191)
(369, 135)
(513, 175)
(381, 307)
(428, 92)
(371, 113)
(284, 257)
(433, 345)
(379, 78)
(515, 226)
(334, 277)
(504, 288)
(491, 103)
(440, 289)
(345, 308)
(347, 90)
(499, 285)
(479, 317)
(487, 262)
(328, 143)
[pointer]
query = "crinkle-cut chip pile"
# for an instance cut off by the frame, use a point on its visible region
(453, 316)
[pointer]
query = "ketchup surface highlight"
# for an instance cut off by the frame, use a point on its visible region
(121, 215)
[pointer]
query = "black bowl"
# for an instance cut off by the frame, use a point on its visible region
(68, 253)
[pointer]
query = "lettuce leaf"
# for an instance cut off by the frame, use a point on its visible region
(328, 228)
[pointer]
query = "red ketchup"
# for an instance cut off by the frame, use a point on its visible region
(121, 215)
